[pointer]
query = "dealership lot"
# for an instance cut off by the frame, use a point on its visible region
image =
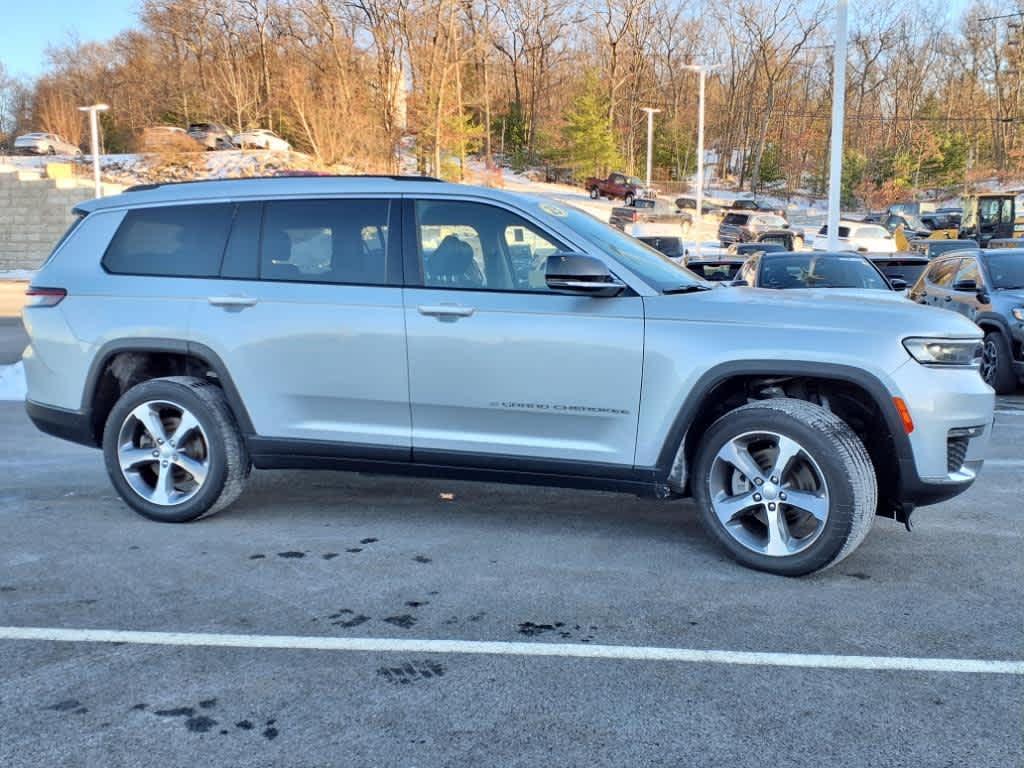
(347, 556)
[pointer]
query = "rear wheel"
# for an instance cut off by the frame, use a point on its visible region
(628, 200)
(997, 364)
(784, 486)
(173, 450)
(595, 193)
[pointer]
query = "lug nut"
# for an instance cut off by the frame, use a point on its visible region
(163, 463)
(160, 441)
(171, 443)
(156, 454)
(758, 481)
(757, 497)
(775, 479)
(771, 507)
(782, 497)
(175, 457)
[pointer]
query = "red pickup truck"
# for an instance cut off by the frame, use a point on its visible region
(617, 186)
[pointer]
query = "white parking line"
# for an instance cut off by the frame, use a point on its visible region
(476, 647)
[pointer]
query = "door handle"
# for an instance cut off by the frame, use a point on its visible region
(445, 310)
(232, 301)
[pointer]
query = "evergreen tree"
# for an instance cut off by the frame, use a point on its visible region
(591, 145)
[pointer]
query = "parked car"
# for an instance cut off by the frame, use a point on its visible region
(309, 336)
(943, 219)
(618, 186)
(933, 248)
(993, 216)
(669, 245)
(900, 268)
(167, 138)
(1006, 242)
(45, 144)
(815, 269)
(749, 204)
(747, 227)
(211, 136)
(644, 213)
(260, 138)
(911, 226)
(707, 207)
(746, 250)
(986, 287)
(719, 269)
(857, 236)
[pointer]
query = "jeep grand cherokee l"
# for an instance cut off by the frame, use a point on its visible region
(194, 331)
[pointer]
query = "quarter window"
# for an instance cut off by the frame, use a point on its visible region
(171, 241)
(325, 241)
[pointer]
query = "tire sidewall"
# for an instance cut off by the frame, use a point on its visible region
(839, 524)
(182, 395)
(1004, 381)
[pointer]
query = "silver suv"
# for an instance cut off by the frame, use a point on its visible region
(403, 326)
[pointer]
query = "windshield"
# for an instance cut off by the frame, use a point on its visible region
(797, 270)
(654, 268)
(1006, 268)
(670, 246)
(878, 233)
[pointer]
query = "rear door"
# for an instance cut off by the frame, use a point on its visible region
(307, 318)
(503, 372)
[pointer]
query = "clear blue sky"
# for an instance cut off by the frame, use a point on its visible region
(27, 27)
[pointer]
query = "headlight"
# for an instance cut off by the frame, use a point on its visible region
(942, 352)
(1019, 313)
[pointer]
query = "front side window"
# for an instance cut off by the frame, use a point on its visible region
(969, 270)
(171, 241)
(942, 274)
(481, 247)
(325, 241)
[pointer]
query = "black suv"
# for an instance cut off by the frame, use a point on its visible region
(986, 286)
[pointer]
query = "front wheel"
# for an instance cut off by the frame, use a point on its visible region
(997, 364)
(173, 450)
(785, 486)
(595, 194)
(628, 199)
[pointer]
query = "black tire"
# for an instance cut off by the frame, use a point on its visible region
(997, 364)
(51, 150)
(595, 193)
(842, 459)
(228, 461)
(629, 199)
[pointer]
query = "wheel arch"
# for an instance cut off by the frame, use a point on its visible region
(122, 363)
(728, 385)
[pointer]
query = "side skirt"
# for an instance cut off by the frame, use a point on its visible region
(267, 453)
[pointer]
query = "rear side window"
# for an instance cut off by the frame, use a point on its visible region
(736, 219)
(172, 241)
(325, 241)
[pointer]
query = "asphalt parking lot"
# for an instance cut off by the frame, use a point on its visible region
(326, 555)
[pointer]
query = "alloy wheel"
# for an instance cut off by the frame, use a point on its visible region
(769, 493)
(163, 453)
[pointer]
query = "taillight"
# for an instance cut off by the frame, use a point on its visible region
(44, 297)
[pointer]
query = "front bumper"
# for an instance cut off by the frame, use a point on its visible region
(938, 462)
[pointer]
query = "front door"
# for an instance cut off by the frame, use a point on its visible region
(500, 367)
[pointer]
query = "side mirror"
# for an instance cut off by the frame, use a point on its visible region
(578, 274)
(898, 284)
(967, 286)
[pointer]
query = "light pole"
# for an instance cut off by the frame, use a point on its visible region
(702, 70)
(650, 139)
(95, 131)
(835, 170)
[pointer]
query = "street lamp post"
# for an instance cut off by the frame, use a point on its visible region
(835, 171)
(702, 70)
(650, 139)
(95, 131)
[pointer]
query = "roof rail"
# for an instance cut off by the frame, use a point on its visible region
(304, 175)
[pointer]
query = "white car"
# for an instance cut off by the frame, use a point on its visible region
(857, 236)
(45, 144)
(261, 138)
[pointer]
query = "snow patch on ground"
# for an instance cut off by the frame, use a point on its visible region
(12, 382)
(18, 275)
